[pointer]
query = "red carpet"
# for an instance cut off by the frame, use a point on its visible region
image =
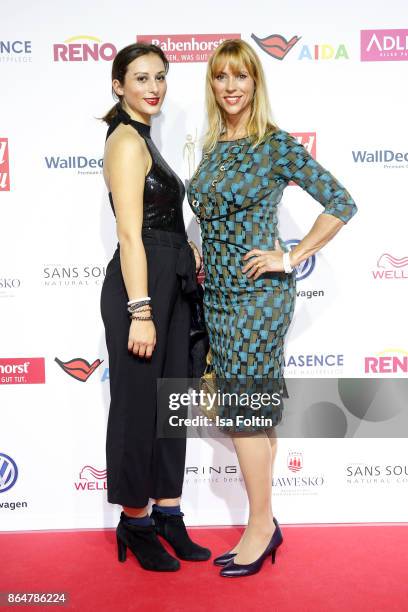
(319, 568)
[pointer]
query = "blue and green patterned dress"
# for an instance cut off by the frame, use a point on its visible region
(235, 192)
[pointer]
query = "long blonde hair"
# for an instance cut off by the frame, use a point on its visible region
(239, 55)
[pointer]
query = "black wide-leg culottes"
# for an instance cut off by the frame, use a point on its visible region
(140, 465)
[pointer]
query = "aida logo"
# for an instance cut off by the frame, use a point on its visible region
(324, 51)
(83, 49)
(79, 368)
(276, 45)
(391, 268)
(186, 47)
(91, 479)
(22, 371)
(389, 361)
(295, 461)
(4, 165)
(384, 45)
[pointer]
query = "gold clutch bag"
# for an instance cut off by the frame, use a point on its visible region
(208, 384)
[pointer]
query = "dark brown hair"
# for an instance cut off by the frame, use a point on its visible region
(120, 64)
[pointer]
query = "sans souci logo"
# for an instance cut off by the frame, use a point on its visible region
(390, 361)
(186, 47)
(365, 474)
(386, 157)
(8, 472)
(298, 484)
(4, 165)
(304, 269)
(384, 45)
(91, 479)
(73, 275)
(84, 48)
(314, 363)
(16, 51)
(214, 474)
(278, 47)
(82, 164)
(22, 371)
(390, 267)
(78, 368)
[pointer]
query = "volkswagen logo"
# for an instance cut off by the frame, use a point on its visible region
(304, 269)
(8, 472)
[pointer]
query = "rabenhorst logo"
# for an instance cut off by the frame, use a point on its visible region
(319, 363)
(8, 473)
(91, 479)
(390, 267)
(81, 163)
(78, 368)
(384, 45)
(389, 361)
(22, 371)
(84, 48)
(276, 45)
(386, 157)
(304, 269)
(368, 474)
(72, 275)
(16, 51)
(295, 461)
(4, 165)
(186, 47)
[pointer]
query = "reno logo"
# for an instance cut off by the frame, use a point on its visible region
(8, 473)
(276, 45)
(391, 268)
(295, 461)
(389, 361)
(76, 50)
(4, 165)
(304, 269)
(91, 479)
(384, 45)
(79, 368)
(186, 47)
(22, 371)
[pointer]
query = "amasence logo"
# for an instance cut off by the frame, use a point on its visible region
(16, 51)
(186, 47)
(73, 51)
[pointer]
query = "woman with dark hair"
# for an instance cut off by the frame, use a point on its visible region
(250, 286)
(148, 280)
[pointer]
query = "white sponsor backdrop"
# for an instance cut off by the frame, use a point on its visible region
(58, 233)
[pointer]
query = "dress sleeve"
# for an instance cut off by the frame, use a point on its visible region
(291, 161)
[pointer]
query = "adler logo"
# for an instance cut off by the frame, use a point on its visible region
(186, 47)
(384, 45)
(83, 49)
(4, 165)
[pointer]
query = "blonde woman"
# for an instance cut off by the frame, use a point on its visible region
(249, 278)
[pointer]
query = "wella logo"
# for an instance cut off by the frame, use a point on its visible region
(384, 45)
(4, 165)
(389, 361)
(95, 49)
(91, 479)
(391, 268)
(186, 47)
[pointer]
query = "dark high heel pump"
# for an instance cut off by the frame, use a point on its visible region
(227, 557)
(145, 545)
(234, 570)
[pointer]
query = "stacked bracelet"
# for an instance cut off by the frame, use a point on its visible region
(287, 266)
(135, 306)
(137, 309)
